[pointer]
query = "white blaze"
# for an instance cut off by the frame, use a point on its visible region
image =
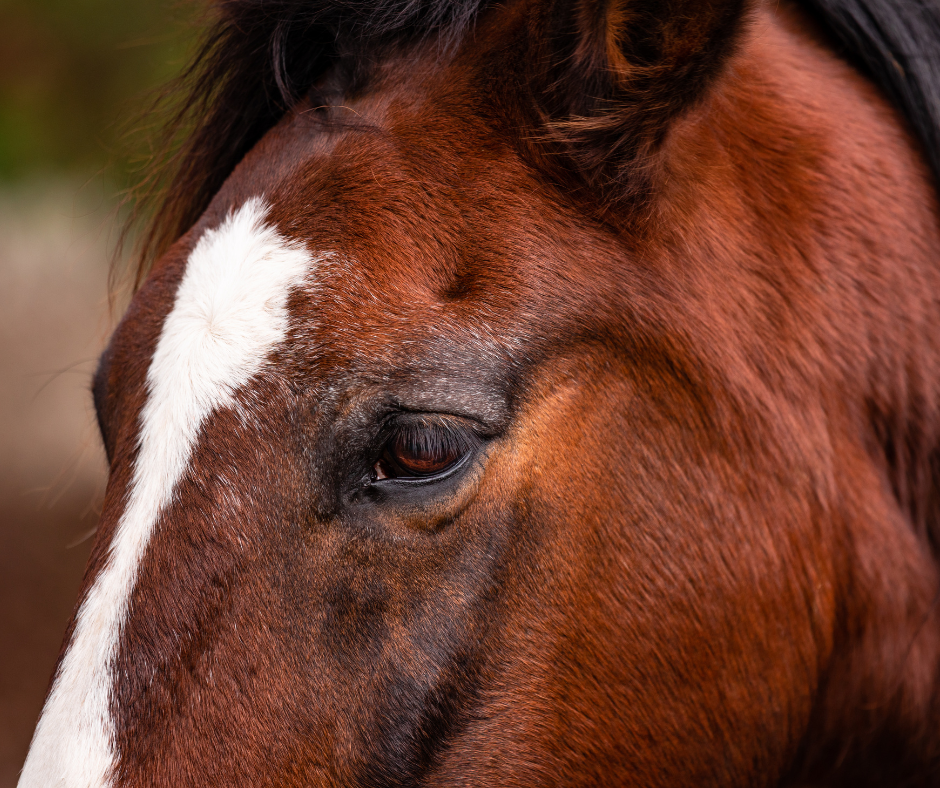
(230, 313)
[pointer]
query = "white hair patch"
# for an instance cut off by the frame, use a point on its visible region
(230, 312)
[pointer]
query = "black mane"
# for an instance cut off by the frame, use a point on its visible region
(260, 56)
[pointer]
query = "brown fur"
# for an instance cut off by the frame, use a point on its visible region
(699, 548)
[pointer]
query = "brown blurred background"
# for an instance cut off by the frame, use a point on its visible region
(75, 79)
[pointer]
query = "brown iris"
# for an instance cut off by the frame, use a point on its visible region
(419, 451)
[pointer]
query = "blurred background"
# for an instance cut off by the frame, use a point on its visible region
(76, 78)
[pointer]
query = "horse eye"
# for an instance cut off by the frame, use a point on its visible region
(419, 452)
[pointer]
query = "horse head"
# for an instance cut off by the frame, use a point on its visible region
(537, 393)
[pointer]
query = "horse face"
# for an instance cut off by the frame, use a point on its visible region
(396, 485)
(422, 472)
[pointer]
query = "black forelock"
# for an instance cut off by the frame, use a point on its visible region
(292, 33)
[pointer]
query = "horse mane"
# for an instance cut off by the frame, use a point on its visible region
(259, 57)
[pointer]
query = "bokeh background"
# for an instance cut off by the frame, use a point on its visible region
(76, 80)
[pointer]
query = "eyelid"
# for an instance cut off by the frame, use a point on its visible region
(461, 428)
(462, 437)
(417, 481)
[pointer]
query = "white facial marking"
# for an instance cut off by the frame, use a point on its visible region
(230, 313)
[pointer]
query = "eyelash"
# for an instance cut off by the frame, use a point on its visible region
(423, 449)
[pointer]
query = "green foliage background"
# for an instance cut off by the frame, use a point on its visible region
(76, 77)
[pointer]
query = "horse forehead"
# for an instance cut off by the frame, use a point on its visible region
(209, 311)
(229, 313)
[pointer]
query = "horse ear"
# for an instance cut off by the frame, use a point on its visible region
(610, 75)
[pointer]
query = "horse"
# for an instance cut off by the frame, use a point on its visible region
(532, 393)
